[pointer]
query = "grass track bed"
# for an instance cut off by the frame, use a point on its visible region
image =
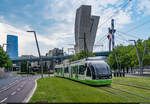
(125, 95)
(141, 82)
(63, 90)
(134, 91)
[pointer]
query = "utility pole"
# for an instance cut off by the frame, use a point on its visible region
(40, 58)
(116, 59)
(138, 56)
(113, 31)
(109, 37)
(143, 55)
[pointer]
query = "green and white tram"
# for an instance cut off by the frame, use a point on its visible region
(92, 70)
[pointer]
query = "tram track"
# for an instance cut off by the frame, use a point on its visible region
(131, 93)
(132, 86)
(108, 90)
(111, 92)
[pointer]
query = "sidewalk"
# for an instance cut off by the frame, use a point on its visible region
(136, 75)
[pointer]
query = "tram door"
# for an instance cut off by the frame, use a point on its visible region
(71, 72)
(88, 74)
(81, 72)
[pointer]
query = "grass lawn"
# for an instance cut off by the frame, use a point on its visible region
(55, 89)
(142, 82)
(62, 90)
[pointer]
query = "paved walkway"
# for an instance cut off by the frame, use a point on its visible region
(129, 75)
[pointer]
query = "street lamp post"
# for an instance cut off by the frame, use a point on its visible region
(40, 58)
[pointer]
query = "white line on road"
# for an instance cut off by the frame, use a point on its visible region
(31, 92)
(13, 93)
(18, 89)
(3, 100)
(6, 88)
(22, 85)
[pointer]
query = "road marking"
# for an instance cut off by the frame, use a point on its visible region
(3, 100)
(10, 85)
(22, 85)
(27, 98)
(6, 88)
(18, 89)
(13, 93)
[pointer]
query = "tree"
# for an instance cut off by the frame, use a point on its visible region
(127, 55)
(24, 67)
(4, 59)
(81, 55)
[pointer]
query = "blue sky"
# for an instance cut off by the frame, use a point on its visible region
(53, 20)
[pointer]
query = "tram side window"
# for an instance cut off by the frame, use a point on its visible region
(88, 73)
(66, 70)
(82, 68)
(75, 68)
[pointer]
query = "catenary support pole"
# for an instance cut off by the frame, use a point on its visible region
(113, 31)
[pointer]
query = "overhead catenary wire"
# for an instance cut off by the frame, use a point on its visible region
(101, 42)
(134, 28)
(101, 38)
(115, 12)
(124, 33)
(138, 26)
(123, 37)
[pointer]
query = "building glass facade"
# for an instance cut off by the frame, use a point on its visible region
(12, 46)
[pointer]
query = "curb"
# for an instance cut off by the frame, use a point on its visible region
(26, 100)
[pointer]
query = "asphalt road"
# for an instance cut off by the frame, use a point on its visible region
(18, 90)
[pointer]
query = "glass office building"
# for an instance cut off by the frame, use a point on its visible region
(12, 46)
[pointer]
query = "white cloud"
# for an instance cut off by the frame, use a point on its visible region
(63, 12)
(26, 40)
(144, 6)
(1, 19)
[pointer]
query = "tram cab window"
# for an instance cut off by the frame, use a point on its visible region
(56, 70)
(102, 69)
(88, 73)
(82, 68)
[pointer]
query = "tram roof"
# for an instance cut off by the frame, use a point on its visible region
(91, 59)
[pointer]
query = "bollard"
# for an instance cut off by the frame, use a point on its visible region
(123, 74)
(120, 74)
(114, 74)
(117, 74)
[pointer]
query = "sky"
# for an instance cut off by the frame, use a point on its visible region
(53, 21)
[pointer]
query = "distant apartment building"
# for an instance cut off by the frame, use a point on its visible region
(34, 63)
(85, 28)
(54, 52)
(12, 46)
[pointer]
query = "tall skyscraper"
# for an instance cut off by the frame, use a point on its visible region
(85, 28)
(12, 46)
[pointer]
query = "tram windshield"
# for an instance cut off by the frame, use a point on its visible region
(102, 69)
